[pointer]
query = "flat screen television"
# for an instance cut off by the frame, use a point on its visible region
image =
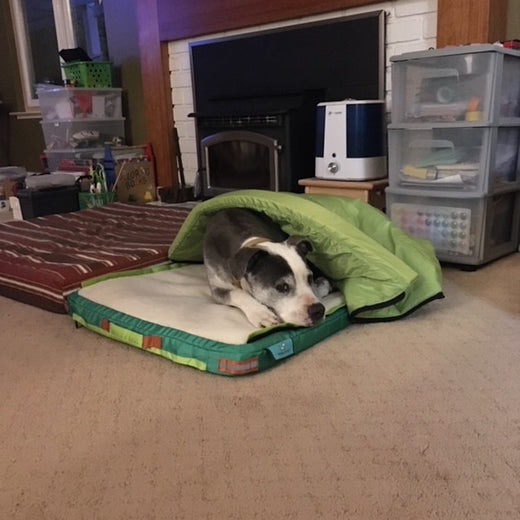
(334, 59)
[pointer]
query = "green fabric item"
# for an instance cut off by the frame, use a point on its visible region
(382, 271)
(440, 158)
(203, 354)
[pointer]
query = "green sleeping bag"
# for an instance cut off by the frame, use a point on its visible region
(382, 272)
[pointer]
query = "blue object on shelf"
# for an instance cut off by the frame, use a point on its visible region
(108, 164)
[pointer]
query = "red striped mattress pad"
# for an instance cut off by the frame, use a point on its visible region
(43, 259)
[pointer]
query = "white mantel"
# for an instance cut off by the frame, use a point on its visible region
(411, 26)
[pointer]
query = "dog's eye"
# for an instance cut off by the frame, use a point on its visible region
(282, 287)
(310, 279)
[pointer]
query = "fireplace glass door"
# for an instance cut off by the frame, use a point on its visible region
(234, 160)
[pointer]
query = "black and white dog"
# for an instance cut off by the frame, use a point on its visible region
(253, 265)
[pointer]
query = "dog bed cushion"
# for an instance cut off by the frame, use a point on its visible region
(169, 311)
(382, 272)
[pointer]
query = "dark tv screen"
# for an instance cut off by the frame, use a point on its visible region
(335, 59)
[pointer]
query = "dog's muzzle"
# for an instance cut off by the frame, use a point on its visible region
(316, 311)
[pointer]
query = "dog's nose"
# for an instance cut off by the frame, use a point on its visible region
(316, 312)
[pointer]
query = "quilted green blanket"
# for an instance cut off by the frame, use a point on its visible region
(382, 272)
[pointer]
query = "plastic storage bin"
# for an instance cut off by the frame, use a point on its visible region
(466, 83)
(62, 103)
(450, 158)
(84, 133)
(465, 230)
(67, 159)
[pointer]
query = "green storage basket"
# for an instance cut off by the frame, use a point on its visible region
(89, 74)
(89, 200)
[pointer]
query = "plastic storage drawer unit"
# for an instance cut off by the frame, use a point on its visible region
(82, 133)
(464, 83)
(464, 230)
(60, 103)
(444, 159)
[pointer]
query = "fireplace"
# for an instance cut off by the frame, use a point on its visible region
(239, 159)
(263, 147)
(255, 97)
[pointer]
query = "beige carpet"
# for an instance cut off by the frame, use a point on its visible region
(415, 419)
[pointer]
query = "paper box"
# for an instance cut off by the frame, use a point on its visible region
(135, 181)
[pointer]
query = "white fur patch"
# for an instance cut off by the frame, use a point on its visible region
(253, 241)
(292, 308)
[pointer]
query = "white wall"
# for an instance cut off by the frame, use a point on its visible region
(411, 26)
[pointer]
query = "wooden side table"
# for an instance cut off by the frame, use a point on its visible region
(372, 192)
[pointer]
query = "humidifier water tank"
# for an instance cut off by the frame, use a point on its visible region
(350, 140)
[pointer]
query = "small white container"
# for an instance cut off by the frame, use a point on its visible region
(351, 140)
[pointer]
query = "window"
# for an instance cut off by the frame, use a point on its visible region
(44, 27)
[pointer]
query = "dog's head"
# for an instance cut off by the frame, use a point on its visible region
(276, 274)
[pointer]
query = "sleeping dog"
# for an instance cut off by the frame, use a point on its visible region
(252, 265)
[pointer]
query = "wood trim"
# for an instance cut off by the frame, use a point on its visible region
(470, 21)
(187, 18)
(158, 109)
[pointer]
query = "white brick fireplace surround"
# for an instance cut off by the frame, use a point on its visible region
(411, 25)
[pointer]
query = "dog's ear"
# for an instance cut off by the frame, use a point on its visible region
(246, 260)
(302, 245)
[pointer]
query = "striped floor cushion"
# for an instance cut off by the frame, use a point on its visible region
(43, 259)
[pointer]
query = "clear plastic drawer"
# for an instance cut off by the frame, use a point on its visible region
(467, 83)
(87, 133)
(62, 103)
(482, 160)
(77, 159)
(462, 230)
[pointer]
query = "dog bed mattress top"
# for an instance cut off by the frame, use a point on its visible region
(179, 297)
(168, 311)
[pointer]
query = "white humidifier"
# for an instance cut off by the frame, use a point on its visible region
(350, 140)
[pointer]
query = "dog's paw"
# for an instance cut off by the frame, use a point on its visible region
(261, 316)
(321, 287)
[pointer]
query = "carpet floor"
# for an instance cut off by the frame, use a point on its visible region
(413, 419)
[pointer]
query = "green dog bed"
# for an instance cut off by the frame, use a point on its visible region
(381, 274)
(169, 311)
